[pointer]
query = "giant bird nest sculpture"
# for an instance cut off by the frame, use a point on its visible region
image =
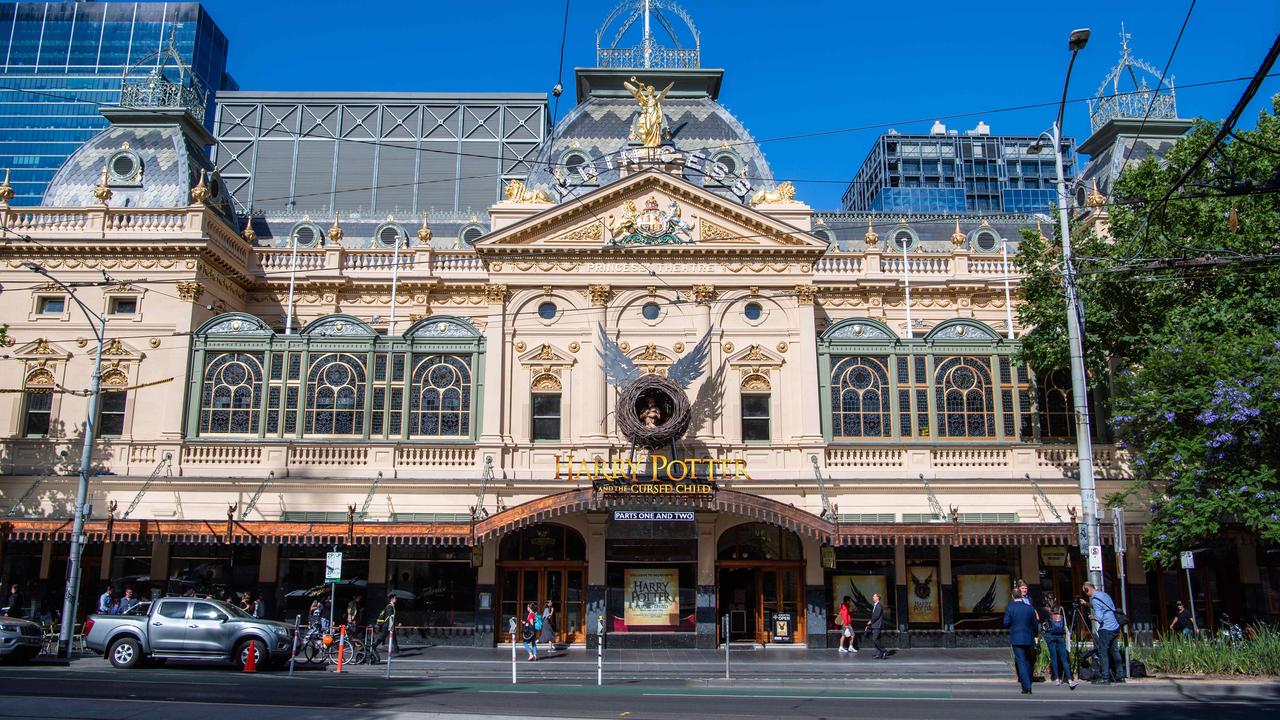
(653, 411)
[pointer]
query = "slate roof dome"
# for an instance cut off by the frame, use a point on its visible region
(153, 152)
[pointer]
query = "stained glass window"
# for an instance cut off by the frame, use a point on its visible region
(440, 396)
(231, 394)
(335, 395)
(860, 397)
(965, 402)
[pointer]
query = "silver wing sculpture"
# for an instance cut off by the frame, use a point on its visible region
(620, 371)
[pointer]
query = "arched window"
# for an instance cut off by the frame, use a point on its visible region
(441, 397)
(758, 541)
(1057, 417)
(860, 397)
(964, 398)
(546, 542)
(232, 394)
(545, 407)
(335, 395)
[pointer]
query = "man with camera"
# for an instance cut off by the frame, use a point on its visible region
(1104, 642)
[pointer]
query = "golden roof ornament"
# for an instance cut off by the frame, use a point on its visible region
(102, 192)
(958, 237)
(870, 237)
(1040, 233)
(785, 192)
(248, 233)
(200, 194)
(6, 190)
(1095, 199)
(335, 231)
(424, 232)
(650, 128)
(517, 192)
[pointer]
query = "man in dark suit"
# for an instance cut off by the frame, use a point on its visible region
(875, 624)
(1023, 624)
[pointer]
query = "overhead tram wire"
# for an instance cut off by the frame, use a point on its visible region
(1156, 93)
(559, 86)
(551, 165)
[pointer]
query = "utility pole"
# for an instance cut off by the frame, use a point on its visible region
(71, 598)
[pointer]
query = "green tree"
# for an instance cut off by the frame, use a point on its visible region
(1193, 346)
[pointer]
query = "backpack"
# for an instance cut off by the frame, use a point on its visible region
(537, 622)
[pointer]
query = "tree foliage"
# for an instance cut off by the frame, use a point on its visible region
(1192, 350)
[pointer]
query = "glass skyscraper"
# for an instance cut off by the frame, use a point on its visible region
(63, 60)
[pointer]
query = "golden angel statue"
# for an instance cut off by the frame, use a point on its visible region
(650, 128)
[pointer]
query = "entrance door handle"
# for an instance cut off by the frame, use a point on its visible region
(157, 624)
(194, 627)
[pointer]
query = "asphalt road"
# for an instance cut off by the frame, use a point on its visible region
(89, 691)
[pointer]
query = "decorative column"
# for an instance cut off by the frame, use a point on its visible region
(816, 596)
(597, 587)
(493, 424)
(946, 596)
(806, 361)
(488, 618)
(268, 572)
(705, 618)
(596, 391)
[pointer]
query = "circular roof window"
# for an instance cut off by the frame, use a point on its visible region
(547, 310)
(904, 239)
(388, 235)
(124, 167)
(306, 235)
(471, 234)
(986, 241)
(753, 311)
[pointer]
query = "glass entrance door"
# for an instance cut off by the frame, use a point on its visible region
(752, 594)
(780, 592)
(564, 587)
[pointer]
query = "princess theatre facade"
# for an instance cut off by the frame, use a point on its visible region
(458, 415)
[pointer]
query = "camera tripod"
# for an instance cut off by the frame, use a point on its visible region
(1078, 660)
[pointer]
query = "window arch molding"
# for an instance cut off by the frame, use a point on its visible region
(307, 234)
(388, 234)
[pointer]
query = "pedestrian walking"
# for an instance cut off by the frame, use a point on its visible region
(1022, 621)
(1104, 642)
(106, 601)
(1055, 633)
(1022, 593)
(1182, 621)
(532, 626)
(548, 633)
(846, 625)
(355, 612)
(14, 607)
(875, 625)
(386, 625)
(258, 608)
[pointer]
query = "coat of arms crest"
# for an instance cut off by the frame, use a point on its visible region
(651, 226)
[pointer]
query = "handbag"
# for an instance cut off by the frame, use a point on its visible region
(527, 636)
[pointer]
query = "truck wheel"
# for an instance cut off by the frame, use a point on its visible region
(259, 647)
(125, 653)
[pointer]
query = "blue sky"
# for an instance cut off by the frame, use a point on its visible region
(790, 68)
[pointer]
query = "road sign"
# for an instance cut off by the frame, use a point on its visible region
(333, 567)
(1095, 558)
(1117, 515)
(1188, 560)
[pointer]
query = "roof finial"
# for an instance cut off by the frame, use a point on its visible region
(335, 232)
(424, 232)
(870, 238)
(958, 237)
(248, 233)
(6, 190)
(103, 191)
(1095, 199)
(200, 194)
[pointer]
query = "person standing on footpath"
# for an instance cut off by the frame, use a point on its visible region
(14, 608)
(532, 625)
(1104, 611)
(127, 603)
(846, 625)
(1055, 632)
(875, 625)
(1021, 620)
(1183, 622)
(106, 601)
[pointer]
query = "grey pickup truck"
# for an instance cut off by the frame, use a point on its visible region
(189, 628)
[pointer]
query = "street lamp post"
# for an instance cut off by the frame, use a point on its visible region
(71, 600)
(1079, 393)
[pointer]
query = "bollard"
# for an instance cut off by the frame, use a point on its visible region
(391, 642)
(512, 627)
(342, 640)
(293, 651)
(599, 650)
(726, 647)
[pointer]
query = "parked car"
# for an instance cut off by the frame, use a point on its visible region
(20, 640)
(190, 628)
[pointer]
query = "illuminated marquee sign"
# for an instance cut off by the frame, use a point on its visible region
(665, 155)
(659, 476)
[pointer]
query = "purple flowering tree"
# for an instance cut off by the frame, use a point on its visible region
(1190, 352)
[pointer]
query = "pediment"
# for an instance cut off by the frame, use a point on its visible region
(545, 354)
(651, 212)
(41, 349)
(756, 356)
(117, 349)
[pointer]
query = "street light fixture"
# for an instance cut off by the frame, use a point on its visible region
(71, 599)
(1084, 444)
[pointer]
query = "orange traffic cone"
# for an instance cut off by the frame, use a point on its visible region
(251, 660)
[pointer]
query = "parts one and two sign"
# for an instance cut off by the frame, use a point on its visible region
(653, 515)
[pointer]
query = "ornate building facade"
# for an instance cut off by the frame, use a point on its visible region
(446, 416)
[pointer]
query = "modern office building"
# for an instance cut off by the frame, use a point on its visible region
(836, 397)
(63, 61)
(946, 171)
